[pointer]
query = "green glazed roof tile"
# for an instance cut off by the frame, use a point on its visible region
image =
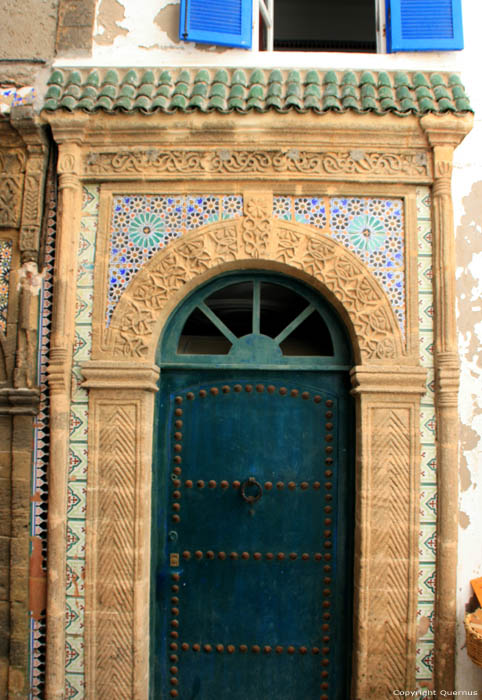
(56, 78)
(239, 77)
(312, 78)
(440, 91)
(165, 78)
(312, 90)
(148, 78)
(240, 91)
(146, 90)
(384, 80)
(111, 78)
(127, 90)
(198, 101)
(458, 91)
(108, 91)
(178, 102)
(401, 78)
(200, 89)
(436, 79)
(130, 78)
(142, 102)
(237, 103)
(331, 89)
(349, 78)
(93, 79)
(68, 102)
(426, 104)
(224, 90)
(454, 79)
(221, 77)
(218, 90)
(419, 80)
(311, 102)
(86, 103)
(104, 102)
(463, 104)
(54, 91)
(330, 102)
(274, 101)
(124, 102)
(445, 105)
(330, 77)
(74, 78)
(183, 77)
(202, 76)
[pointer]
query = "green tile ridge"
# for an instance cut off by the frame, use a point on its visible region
(224, 90)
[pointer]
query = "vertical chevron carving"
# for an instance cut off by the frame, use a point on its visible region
(390, 534)
(116, 552)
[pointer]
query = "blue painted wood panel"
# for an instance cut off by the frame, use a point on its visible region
(424, 25)
(223, 22)
(252, 580)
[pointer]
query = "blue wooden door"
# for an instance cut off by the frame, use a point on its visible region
(252, 534)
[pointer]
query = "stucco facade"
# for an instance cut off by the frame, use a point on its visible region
(97, 336)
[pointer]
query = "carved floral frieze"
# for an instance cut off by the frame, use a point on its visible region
(412, 165)
(12, 168)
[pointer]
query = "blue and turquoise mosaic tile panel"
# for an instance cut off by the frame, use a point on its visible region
(77, 481)
(428, 465)
(371, 227)
(143, 224)
(5, 265)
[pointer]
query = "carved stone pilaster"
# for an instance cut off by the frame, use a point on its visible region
(62, 343)
(386, 527)
(444, 135)
(121, 401)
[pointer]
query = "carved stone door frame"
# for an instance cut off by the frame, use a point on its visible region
(122, 378)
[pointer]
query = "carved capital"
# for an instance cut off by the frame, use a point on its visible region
(21, 401)
(120, 375)
(388, 380)
(58, 370)
(447, 129)
(447, 376)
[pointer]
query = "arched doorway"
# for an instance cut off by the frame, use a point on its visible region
(253, 492)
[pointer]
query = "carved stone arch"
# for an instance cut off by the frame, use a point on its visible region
(268, 243)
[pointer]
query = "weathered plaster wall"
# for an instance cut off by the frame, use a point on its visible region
(28, 38)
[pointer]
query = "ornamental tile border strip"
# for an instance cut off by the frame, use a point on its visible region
(77, 481)
(428, 487)
(41, 442)
(5, 265)
(239, 90)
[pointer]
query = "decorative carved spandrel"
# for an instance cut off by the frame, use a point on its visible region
(256, 236)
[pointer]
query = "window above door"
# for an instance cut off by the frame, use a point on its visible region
(257, 319)
(366, 26)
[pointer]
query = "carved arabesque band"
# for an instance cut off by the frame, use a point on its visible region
(347, 282)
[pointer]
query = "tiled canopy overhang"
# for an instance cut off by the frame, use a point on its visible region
(257, 134)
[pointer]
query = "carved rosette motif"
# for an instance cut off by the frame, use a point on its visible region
(12, 168)
(412, 164)
(346, 280)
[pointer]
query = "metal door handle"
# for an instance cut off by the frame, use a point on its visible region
(251, 498)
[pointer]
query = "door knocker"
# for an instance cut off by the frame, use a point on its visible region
(251, 498)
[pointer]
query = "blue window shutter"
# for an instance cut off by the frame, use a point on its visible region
(424, 25)
(224, 22)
